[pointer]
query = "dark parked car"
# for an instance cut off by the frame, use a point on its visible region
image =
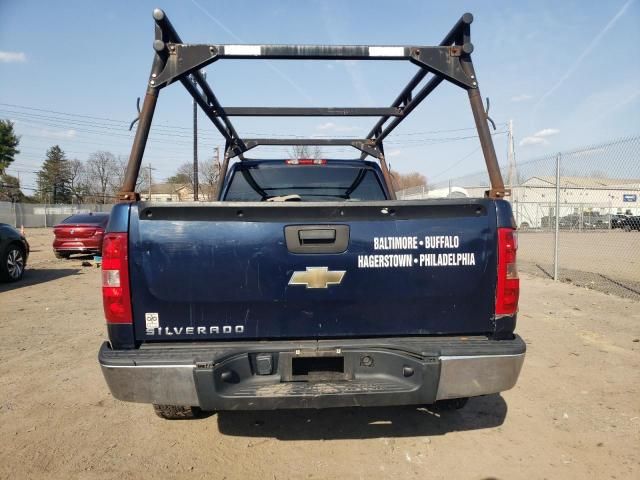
(14, 251)
(584, 221)
(617, 221)
(80, 233)
(547, 221)
(631, 223)
(594, 220)
(571, 221)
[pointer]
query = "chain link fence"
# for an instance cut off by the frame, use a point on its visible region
(578, 213)
(30, 215)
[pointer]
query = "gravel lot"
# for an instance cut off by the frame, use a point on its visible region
(607, 261)
(574, 414)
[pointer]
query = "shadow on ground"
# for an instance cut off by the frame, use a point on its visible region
(621, 287)
(34, 276)
(359, 423)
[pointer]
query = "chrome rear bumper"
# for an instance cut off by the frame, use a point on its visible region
(218, 377)
(477, 375)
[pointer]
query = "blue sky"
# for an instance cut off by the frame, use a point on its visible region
(564, 72)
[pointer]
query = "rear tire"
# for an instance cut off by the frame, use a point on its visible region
(449, 405)
(61, 255)
(12, 263)
(176, 412)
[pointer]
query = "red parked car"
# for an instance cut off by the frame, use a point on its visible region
(80, 233)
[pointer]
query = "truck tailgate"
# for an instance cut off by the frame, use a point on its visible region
(227, 270)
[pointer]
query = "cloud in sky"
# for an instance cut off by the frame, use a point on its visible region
(547, 132)
(326, 126)
(12, 57)
(539, 138)
(521, 98)
(71, 133)
(527, 141)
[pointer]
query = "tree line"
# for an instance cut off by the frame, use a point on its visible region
(9, 141)
(208, 176)
(64, 180)
(61, 179)
(98, 179)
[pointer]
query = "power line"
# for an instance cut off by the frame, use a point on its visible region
(177, 139)
(187, 129)
(415, 142)
(455, 164)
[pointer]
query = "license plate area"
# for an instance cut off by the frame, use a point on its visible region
(315, 367)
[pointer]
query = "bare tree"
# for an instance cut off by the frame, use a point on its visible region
(305, 151)
(117, 178)
(401, 181)
(183, 176)
(118, 175)
(209, 177)
(100, 170)
(77, 180)
(209, 173)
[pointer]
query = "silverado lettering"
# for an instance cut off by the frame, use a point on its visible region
(209, 330)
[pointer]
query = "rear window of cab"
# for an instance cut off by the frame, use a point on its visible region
(87, 218)
(304, 183)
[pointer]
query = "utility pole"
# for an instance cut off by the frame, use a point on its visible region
(511, 155)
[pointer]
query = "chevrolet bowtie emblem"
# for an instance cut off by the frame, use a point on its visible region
(317, 277)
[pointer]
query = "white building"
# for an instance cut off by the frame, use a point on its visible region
(535, 198)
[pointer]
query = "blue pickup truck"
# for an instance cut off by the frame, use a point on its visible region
(307, 284)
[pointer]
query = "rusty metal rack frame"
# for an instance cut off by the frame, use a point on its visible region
(176, 61)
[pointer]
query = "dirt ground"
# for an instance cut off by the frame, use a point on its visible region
(575, 412)
(607, 252)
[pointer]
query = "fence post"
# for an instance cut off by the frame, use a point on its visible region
(557, 221)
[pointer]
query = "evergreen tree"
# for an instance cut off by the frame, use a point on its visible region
(10, 189)
(8, 143)
(54, 178)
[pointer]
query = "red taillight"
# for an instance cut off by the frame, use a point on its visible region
(508, 287)
(306, 161)
(116, 296)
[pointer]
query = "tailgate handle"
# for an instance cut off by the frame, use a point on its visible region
(317, 238)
